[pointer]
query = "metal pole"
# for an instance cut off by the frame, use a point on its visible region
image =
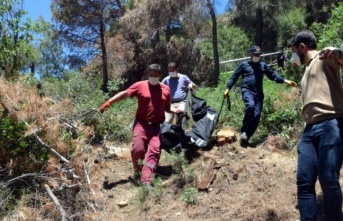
(241, 59)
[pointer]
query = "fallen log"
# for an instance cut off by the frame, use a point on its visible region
(209, 176)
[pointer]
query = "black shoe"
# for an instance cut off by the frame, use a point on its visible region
(244, 143)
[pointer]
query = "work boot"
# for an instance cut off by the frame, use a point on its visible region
(244, 143)
(244, 140)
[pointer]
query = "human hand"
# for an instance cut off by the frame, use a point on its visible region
(178, 111)
(190, 86)
(328, 54)
(226, 93)
(105, 106)
(291, 83)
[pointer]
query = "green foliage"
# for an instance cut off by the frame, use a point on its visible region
(145, 194)
(189, 196)
(114, 124)
(130, 4)
(17, 51)
(115, 84)
(330, 34)
(184, 173)
(26, 153)
(214, 98)
(232, 43)
(158, 190)
(280, 111)
(11, 135)
(83, 92)
(289, 24)
(291, 72)
(9, 199)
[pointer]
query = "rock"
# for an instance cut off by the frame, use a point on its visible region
(123, 203)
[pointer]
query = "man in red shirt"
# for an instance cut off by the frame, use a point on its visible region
(153, 100)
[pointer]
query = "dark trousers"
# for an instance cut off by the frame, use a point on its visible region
(253, 108)
(320, 155)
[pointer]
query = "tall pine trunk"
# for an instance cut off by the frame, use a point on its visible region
(104, 59)
(259, 27)
(215, 77)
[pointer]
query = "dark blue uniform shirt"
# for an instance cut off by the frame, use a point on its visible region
(252, 74)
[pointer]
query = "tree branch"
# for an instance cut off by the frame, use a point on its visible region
(56, 202)
(7, 183)
(49, 148)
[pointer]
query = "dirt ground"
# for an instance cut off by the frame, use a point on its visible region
(254, 183)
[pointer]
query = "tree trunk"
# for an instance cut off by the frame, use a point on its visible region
(215, 77)
(104, 59)
(168, 32)
(259, 27)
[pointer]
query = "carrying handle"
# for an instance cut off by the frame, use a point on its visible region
(181, 115)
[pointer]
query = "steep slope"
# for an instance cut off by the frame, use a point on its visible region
(92, 180)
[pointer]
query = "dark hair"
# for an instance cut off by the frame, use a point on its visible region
(306, 37)
(172, 65)
(155, 67)
(290, 42)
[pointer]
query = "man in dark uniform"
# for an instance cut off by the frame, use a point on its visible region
(252, 71)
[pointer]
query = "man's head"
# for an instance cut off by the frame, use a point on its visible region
(306, 37)
(255, 53)
(302, 43)
(154, 70)
(154, 73)
(172, 69)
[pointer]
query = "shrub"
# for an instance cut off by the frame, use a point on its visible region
(86, 97)
(24, 152)
(189, 196)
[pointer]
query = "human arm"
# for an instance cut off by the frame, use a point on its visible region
(188, 83)
(116, 98)
(332, 54)
(272, 75)
(192, 86)
(231, 82)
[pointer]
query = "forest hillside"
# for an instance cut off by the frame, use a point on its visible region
(60, 159)
(53, 166)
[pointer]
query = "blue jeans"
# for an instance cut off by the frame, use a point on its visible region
(320, 155)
